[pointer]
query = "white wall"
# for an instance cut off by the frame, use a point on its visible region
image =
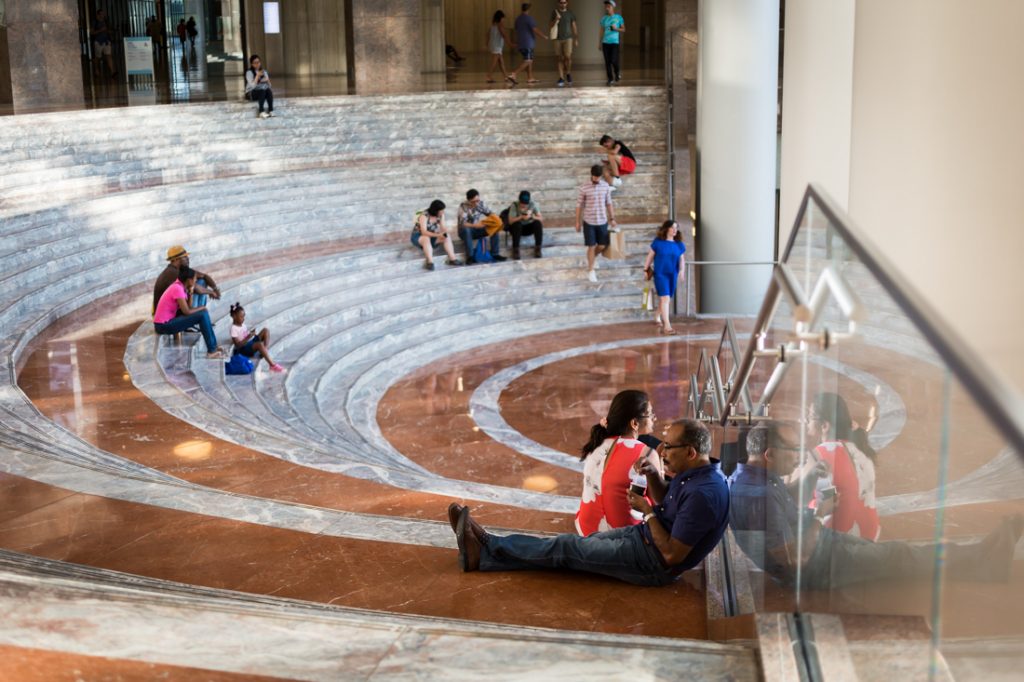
(816, 113)
(936, 150)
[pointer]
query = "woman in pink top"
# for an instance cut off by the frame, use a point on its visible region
(851, 460)
(173, 313)
(608, 463)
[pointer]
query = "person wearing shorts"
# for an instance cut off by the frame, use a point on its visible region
(102, 43)
(526, 32)
(594, 213)
(566, 38)
(620, 160)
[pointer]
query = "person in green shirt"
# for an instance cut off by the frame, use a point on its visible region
(523, 217)
(563, 24)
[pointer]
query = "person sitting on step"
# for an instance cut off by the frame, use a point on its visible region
(429, 228)
(177, 257)
(620, 160)
(524, 217)
(174, 314)
(249, 343)
(257, 87)
(472, 226)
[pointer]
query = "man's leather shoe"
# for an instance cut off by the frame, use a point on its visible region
(499, 259)
(469, 545)
(454, 511)
(515, 254)
(536, 252)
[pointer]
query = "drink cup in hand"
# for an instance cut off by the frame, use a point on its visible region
(638, 483)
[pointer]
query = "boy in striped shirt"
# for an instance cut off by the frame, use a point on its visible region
(594, 211)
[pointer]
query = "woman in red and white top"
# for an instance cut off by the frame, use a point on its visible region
(608, 463)
(851, 460)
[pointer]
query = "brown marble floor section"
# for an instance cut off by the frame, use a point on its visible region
(37, 665)
(214, 552)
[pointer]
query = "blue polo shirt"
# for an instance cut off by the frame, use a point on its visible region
(695, 511)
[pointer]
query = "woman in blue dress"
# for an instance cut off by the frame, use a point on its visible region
(663, 265)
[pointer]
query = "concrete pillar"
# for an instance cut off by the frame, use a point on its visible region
(386, 46)
(588, 21)
(432, 36)
(45, 70)
(737, 147)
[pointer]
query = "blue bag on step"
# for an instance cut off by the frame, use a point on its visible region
(238, 364)
(480, 252)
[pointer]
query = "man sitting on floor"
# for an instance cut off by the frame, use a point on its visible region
(471, 226)
(523, 217)
(177, 257)
(687, 522)
(768, 523)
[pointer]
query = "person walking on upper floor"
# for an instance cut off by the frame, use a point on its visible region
(523, 217)
(497, 37)
(204, 288)
(182, 33)
(430, 228)
(610, 459)
(471, 224)
(567, 36)
(173, 313)
(612, 26)
(192, 31)
(663, 265)
(619, 160)
(257, 86)
(526, 40)
(594, 213)
(102, 43)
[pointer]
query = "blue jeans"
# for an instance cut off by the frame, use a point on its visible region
(620, 553)
(468, 234)
(199, 300)
(184, 322)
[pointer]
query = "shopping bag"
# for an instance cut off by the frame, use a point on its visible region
(616, 246)
(647, 300)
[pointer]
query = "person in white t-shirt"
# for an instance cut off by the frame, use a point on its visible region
(249, 343)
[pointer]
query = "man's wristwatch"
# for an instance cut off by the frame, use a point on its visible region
(648, 516)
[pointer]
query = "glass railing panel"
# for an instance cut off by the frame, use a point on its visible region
(884, 491)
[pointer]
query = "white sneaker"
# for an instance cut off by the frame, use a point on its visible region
(270, 114)
(597, 261)
(264, 114)
(617, 182)
(592, 276)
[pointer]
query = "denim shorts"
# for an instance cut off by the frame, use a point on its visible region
(527, 54)
(247, 350)
(595, 234)
(414, 238)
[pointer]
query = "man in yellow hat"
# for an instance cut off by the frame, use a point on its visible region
(177, 257)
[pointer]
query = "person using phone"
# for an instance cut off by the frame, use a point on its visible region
(524, 217)
(257, 87)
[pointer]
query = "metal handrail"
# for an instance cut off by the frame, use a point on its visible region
(993, 395)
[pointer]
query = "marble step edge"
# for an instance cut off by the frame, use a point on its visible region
(85, 582)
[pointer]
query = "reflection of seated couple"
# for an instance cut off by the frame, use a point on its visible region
(781, 537)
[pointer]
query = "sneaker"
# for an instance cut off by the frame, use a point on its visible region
(264, 114)
(568, 78)
(428, 266)
(277, 369)
(561, 82)
(611, 83)
(453, 262)
(617, 181)
(270, 114)
(499, 259)
(537, 252)
(592, 276)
